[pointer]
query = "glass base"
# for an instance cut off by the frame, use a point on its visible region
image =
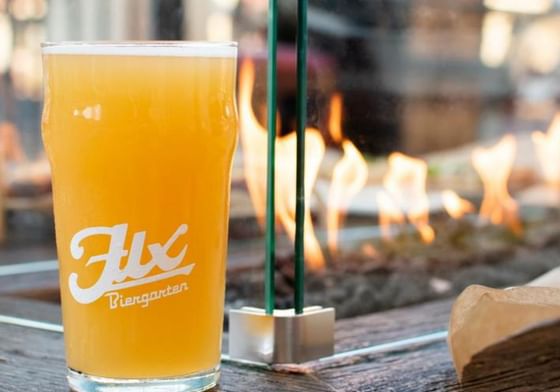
(196, 382)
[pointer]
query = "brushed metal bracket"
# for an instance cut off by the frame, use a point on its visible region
(283, 337)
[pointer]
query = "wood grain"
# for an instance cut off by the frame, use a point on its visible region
(39, 285)
(30, 309)
(33, 360)
(530, 361)
(392, 325)
(426, 368)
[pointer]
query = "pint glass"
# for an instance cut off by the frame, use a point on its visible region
(140, 137)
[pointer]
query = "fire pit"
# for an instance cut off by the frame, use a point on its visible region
(383, 233)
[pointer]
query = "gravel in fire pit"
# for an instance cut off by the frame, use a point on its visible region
(406, 271)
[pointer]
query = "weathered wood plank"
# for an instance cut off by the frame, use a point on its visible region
(427, 368)
(352, 333)
(39, 285)
(529, 362)
(244, 379)
(392, 325)
(26, 252)
(30, 309)
(33, 360)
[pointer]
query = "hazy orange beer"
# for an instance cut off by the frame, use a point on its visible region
(140, 137)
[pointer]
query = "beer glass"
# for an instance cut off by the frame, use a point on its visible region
(140, 137)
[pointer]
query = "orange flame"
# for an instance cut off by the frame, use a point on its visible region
(455, 206)
(389, 213)
(286, 190)
(335, 118)
(405, 193)
(547, 147)
(369, 250)
(349, 177)
(254, 144)
(494, 166)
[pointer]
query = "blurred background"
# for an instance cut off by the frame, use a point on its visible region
(433, 154)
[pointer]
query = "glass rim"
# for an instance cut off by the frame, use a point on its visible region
(142, 48)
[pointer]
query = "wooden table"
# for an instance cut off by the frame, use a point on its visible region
(32, 358)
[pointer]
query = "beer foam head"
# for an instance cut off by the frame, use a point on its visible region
(147, 48)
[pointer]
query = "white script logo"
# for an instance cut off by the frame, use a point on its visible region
(133, 274)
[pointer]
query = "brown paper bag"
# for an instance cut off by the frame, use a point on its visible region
(483, 316)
